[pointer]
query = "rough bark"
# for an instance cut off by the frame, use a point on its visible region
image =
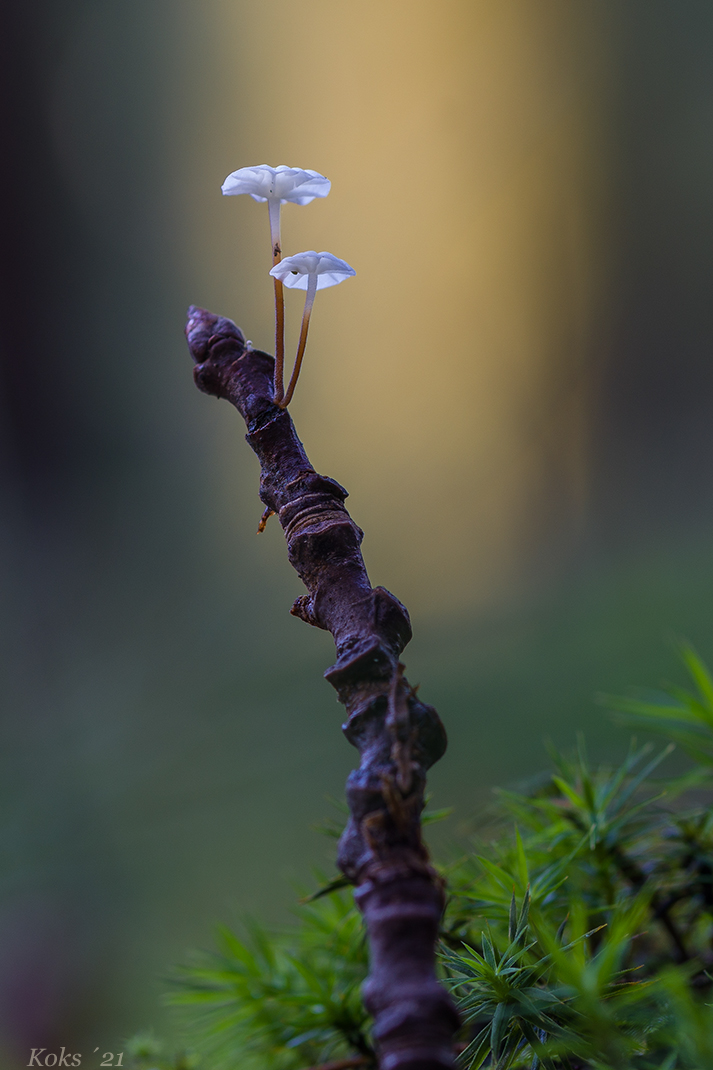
(398, 736)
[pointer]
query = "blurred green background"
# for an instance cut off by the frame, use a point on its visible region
(516, 388)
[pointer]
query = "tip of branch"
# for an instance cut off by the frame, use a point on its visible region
(204, 330)
(215, 343)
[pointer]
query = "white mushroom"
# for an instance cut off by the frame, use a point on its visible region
(278, 186)
(308, 271)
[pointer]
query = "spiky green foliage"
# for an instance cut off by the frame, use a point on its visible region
(579, 936)
(548, 996)
(686, 717)
(281, 1001)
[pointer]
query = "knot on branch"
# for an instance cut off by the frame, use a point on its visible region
(371, 729)
(398, 738)
(378, 629)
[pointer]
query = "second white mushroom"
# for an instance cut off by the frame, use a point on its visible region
(308, 271)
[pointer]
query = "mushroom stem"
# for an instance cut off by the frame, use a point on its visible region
(274, 208)
(309, 301)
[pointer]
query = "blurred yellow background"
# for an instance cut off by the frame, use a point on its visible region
(467, 161)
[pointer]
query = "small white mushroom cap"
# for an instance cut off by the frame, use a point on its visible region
(292, 185)
(294, 271)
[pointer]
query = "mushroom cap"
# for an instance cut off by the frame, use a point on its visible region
(293, 185)
(294, 271)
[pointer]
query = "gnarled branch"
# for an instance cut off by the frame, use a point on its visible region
(398, 736)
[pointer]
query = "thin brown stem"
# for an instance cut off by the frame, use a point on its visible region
(279, 342)
(309, 301)
(274, 210)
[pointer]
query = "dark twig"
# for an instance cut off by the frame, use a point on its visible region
(398, 737)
